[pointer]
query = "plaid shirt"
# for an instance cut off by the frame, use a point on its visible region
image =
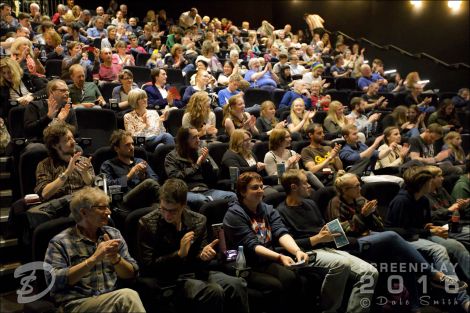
(70, 248)
(48, 171)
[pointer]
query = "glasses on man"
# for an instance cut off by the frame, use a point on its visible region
(62, 90)
(127, 78)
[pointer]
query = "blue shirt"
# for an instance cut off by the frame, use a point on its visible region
(224, 95)
(95, 33)
(116, 173)
(290, 96)
(366, 81)
(349, 154)
(70, 248)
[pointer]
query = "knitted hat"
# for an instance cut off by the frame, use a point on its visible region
(317, 65)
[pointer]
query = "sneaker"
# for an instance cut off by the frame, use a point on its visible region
(449, 284)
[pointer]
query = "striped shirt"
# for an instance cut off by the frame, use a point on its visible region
(70, 248)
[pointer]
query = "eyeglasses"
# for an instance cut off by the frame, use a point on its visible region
(61, 90)
(127, 78)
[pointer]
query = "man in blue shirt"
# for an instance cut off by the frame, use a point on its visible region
(368, 77)
(98, 31)
(231, 90)
(358, 155)
(137, 179)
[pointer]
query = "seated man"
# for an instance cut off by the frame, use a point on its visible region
(109, 71)
(365, 124)
(321, 160)
(98, 31)
(77, 54)
(258, 77)
(173, 243)
(422, 149)
(39, 114)
(137, 179)
(83, 94)
(187, 161)
(462, 99)
(368, 78)
(299, 91)
(357, 154)
(59, 175)
(409, 214)
(231, 90)
(338, 70)
(417, 97)
(305, 223)
(88, 258)
(373, 99)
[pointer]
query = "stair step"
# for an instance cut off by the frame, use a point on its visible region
(6, 193)
(8, 242)
(5, 175)
(5, 164)
(8, 268)
(4, 212)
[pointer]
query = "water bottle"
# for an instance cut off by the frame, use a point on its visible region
(454, 223)
(240, 262)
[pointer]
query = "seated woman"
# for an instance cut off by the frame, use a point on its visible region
(261, 78)
(299, 119)
(453, 141)
(121, 93)
(199, 115)
(208, 54)
(147, 123)
(443, 205)
(279, 142)
(229, 69)
(201, 65)
(446, 116)
(193, 164)
(285, 77)
(267, 120)
(235, 117)
(177, 61)
(361, 222)
(203, 80)
(121, 57)
(22, 52)
(157, 92)
(335, 120)
(397, 156)
(257, 227)
(54, 49)
(319, 100)
(240, 155)
(15, 86)
(111, 39)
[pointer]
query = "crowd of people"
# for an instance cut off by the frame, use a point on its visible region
(416, 143)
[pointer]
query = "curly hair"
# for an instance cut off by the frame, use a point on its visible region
(198, 109)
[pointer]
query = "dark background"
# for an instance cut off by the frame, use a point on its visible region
(433, 29)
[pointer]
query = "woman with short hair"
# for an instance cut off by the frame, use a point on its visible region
(146, 123)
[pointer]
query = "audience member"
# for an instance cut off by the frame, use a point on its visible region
(121, 92)
(299, 119)
(83, 94)
(137, 180)
(235, 116)
(88, 258)
(194, 164)
(198, 115)
(158, 94)
(146, 123)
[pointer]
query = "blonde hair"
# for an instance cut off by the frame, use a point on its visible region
(459, 154)
(434, 170)
(198, 109)
(18, 43)
(334, 105)
(236, 142)
(294, 118)
(134, 96)
(16, 72)
(266, 105)
(56, 39)
(341, 180)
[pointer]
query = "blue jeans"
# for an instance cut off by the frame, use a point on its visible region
(440, 259)
(197, 199)
(152, 142)
(457, 250)
(388, 247)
